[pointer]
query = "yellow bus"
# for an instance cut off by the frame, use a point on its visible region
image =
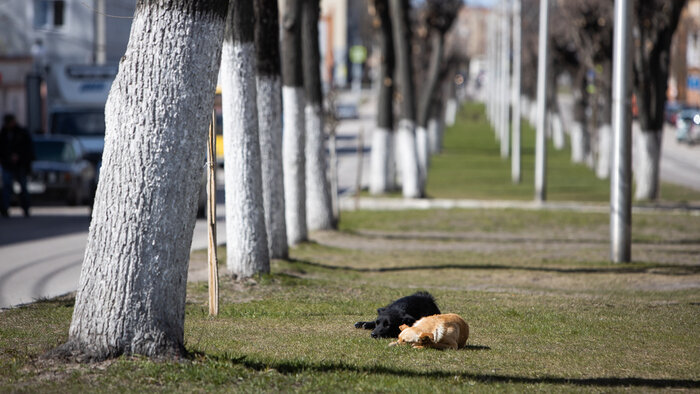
(219, 128)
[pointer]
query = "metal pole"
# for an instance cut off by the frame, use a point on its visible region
(505, 47)
(541, 141)
(489, 80)
(100, 33)
(496, 74)
(515, 156)
(620, 182)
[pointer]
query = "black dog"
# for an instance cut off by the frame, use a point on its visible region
(405, 310)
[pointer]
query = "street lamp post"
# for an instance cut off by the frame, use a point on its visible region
(620, 181)
(541, 137)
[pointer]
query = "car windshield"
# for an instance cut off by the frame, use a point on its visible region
(79, 123)
(54, 151)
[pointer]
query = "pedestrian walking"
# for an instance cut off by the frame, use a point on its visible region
(16, 156)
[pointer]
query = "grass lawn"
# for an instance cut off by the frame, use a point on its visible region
(547, 311)
(545, 308)
(470, 166)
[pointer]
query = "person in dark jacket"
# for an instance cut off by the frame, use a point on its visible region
(16, 156)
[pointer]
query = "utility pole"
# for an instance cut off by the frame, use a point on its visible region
(505, 71)
(620, 181)
(541, 137)
(100, 33)
(517, 64)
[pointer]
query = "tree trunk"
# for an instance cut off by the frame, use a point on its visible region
(580, 137)
(131, 295)
(605, 152)
(294, 124)
(246, 237)
(406, 138)
(450, 111)
(602, 170)
(319, 210)
(382, 139)
(269, 88)
(655, 22)
(647, 157)
(426, 101)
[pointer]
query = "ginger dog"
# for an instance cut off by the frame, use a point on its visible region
(448, 331)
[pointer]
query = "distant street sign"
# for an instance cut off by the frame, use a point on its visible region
(694, 82)
(358, 54)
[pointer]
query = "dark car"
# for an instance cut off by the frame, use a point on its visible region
(61, 171)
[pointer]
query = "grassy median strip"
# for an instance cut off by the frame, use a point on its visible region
(470, 167)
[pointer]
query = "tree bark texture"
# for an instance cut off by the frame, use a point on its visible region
(131, 295)
(382, 139)
(412, 186)
(294, 124)
(246, 237)
(319, 210)
(269, 100)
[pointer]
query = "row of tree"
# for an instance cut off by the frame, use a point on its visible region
(402, 69)
(580, 42)
(131, 295)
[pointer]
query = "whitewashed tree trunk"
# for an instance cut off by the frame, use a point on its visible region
(382, 166)
(558, 138)
(379, 161)
(412, 185)
(423, 149)
(450, 111)
(577, 143)
(407, 155)
(293, 144)
(270, 127)
(435, 134)
(646, 162)
(294, 124)
(269, 89)
(602, 169)
(246, 237)
(532, 113)
(319, 209)
(131, 295)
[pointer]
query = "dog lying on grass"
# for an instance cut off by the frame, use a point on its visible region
(448, 331)
(405, 310)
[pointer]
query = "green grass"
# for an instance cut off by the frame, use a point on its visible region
(546, 312)
(470, 166)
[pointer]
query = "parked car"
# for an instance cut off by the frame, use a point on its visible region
(61, 170)
(688, 126)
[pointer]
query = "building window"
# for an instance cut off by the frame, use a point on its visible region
(49, 13)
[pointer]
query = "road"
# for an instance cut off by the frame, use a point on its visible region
(41, 256)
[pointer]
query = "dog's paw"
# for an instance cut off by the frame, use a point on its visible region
(394, 343)
(360, 324)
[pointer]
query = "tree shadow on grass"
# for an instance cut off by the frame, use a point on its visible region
(297, 366)
(661, 269)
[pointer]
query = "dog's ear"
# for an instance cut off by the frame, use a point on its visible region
(380, 310)
(403, 327)
(426, 337)
(408, 319)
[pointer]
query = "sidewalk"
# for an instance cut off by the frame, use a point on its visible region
(390, 204)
